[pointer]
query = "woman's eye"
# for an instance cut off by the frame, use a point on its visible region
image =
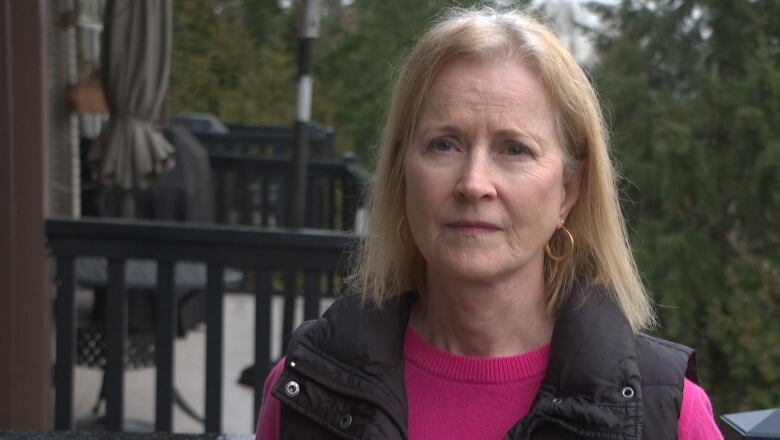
(516, 149)
(443, 144)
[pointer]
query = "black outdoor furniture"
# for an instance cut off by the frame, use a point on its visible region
(183, 193)
(754, 425)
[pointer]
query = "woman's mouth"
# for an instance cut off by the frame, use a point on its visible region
(469, 227)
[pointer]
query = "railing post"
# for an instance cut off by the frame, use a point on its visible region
(116, 335)
(331, 203)
(328, 143)
(285, 182)
(66, 343)
(164, 345)
(222, 202)
(243, 198)
(265, 197)
(214, 306)
(263, 295)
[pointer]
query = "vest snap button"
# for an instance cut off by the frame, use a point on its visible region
(345, 421)
(557, 400)
(628, 392)
(292, 389)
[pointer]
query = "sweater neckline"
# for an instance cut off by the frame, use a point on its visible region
(479, 370)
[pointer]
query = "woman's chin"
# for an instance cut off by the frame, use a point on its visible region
(483, 265)
(472, 268)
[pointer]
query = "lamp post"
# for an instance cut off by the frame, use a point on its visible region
(308, 31)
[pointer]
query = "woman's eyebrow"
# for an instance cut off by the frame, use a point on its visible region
(516, 132)
(426, 129)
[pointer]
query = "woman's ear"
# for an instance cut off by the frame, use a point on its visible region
(572, 182)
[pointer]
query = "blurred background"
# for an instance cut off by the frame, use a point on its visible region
(690, 89)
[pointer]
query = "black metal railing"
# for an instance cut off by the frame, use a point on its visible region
(308, 252)
(251, 167)
(254, 190)
(250, 175)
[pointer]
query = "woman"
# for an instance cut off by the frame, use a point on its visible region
(495, 295)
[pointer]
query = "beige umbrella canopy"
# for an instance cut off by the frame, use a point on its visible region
(135, 65)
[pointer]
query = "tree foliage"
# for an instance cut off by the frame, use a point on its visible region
(233, 59)
(693, 92)
(362, 48)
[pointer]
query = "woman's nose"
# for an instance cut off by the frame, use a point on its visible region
(475, 181)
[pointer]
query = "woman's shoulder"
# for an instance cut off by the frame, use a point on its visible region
(673, 366)
(665, 362)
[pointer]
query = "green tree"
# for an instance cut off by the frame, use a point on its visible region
(358, 56)
(692, 88)
(233, 59)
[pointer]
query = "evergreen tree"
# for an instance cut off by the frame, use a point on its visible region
(361, 50)
(233, 59)
(692, 89)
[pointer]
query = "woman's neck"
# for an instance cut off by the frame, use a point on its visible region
(502, 318)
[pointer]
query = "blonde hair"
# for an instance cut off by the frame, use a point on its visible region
(386, 264)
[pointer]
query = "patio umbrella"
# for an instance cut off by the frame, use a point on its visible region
(135, 64)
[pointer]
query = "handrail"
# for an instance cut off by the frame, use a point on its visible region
(92, 234)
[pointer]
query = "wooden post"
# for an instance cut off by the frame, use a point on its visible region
(25, 284)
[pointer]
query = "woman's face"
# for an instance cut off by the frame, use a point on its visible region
(485, 184)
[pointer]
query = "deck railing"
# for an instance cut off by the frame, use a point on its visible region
(311, 253)
(254, 190)
(252, 168)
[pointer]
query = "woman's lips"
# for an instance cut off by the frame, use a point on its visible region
(473, 227)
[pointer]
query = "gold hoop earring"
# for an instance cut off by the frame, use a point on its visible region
(557, 258)
(399, 231)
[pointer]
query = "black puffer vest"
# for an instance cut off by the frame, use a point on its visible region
(344, 377)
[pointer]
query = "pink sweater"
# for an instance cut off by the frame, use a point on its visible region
(458, 397)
